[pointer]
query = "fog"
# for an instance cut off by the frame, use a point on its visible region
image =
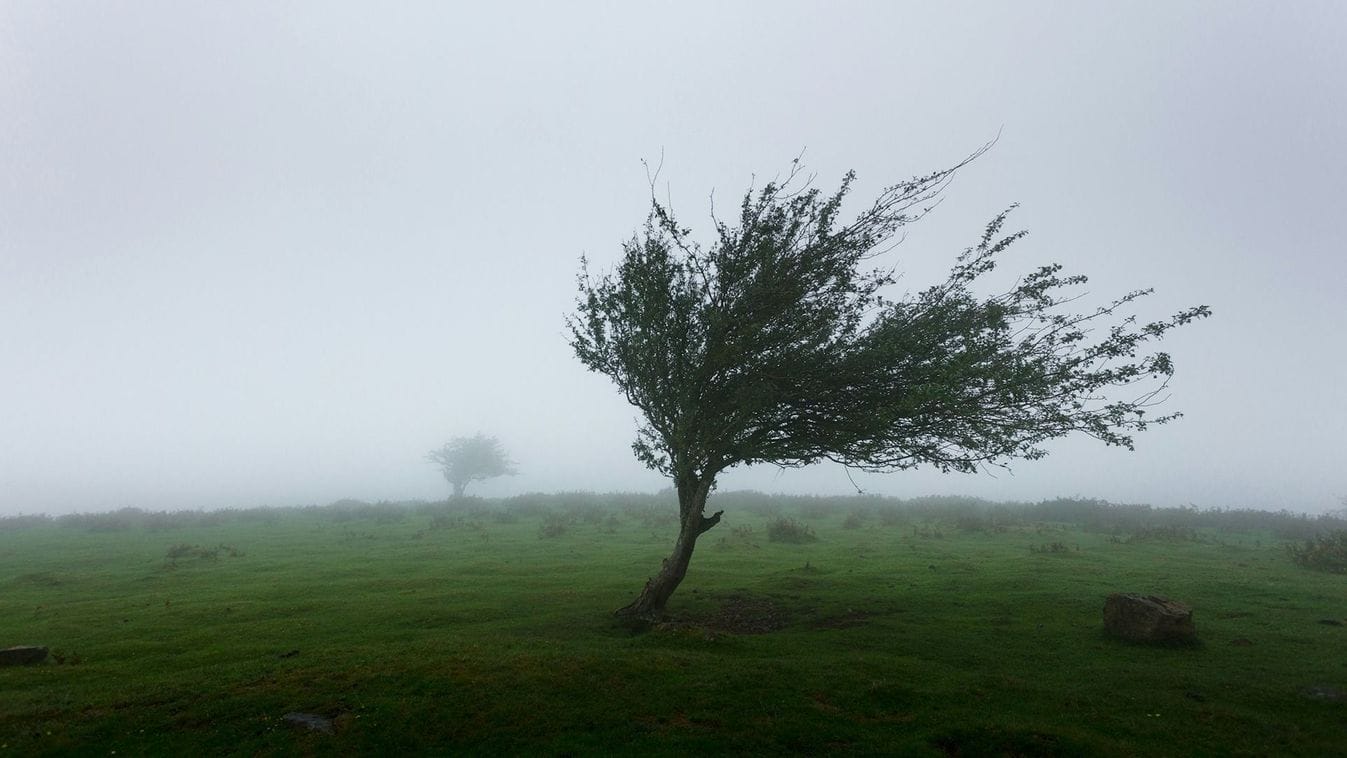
(259, 253)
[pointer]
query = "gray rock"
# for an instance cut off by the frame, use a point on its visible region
(309, 721)
(1148, 618)
(22, 655)
(1324, 692)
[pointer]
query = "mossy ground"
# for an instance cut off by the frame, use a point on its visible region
(480, 635)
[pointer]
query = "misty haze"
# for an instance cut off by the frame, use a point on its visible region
(849, 378)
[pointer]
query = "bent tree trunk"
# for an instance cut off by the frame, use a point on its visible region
(649, 605)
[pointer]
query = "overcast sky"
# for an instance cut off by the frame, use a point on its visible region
(272, 253)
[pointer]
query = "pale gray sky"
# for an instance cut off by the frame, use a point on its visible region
(272, 253)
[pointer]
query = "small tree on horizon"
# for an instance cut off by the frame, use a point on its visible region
(464, 460)
(772, 345)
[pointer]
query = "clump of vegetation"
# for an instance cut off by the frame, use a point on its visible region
(740, 536)
(22, 521)
(554, 525)
(786, 529)
(1051, 548)
(1165, 534)
(855, 519)
(927, 532)
(1326, 552)
(64, 658)
(186, 552)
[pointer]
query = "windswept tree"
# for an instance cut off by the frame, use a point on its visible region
(464, 460)
(775, 343)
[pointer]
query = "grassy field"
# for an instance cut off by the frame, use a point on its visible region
(434, 631)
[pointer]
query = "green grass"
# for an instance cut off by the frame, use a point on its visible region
(485, 637)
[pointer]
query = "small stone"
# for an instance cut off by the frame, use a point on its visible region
(1324, 692)
(22, 655)
(310, 721)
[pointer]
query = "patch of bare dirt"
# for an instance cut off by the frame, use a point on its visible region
(739, 613)
(851, 618)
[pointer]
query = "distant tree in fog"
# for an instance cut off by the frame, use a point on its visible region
(772, 345)
(464, 460)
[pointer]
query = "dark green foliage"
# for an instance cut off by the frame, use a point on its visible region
(782, 529)
(772, 345)
(775, 343)
(1326, 552)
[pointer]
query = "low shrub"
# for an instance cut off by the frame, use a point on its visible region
(1326, 552)
(784, 529)
(554, 525)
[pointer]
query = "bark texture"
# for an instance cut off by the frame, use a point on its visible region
(648, 607)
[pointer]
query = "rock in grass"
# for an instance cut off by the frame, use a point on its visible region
(22, 655)
(1324, 692)
(1148, 618)
(309, 721)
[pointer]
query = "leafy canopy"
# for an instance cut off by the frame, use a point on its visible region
(469, 459)
(776, 343)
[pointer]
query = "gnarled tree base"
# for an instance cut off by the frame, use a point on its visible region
(648, 607)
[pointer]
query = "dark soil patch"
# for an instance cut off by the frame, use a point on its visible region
(1005, 742)
(851, 618)
(739, 613)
